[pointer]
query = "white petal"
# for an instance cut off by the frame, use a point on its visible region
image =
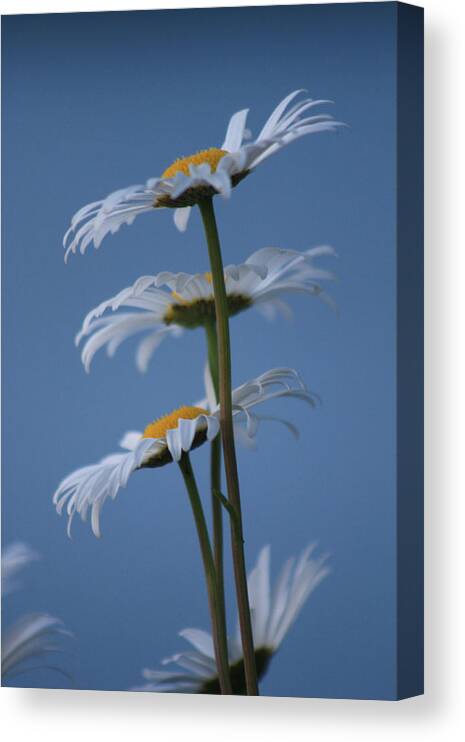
(307, 576)
(213, 427)
(259, 595)
(199, 639)
(187, 431)
(149, 345)
(268, 128)
(130, 439)
(173, 441)
(195, 663)
(181, 218)
(209, 389)
(15, 557)
(235, 131)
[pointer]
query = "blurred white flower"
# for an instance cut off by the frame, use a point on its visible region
(15, 556)
(265, 278)
(273, 612)
(33, 636)
(30, 638)
(165, 440)
(189, 179)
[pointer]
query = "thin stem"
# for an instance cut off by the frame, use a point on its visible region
(227, 434)
(212, 346)
(218, 628)
(215, 471)
(217, 512)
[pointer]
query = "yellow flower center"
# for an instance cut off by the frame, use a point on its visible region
(159, 428)
(210, 156)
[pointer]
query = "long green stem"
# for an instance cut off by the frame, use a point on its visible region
(227, 434)
(218, 627)
(215, 470)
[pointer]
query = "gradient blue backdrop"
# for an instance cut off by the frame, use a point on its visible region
(94, 102)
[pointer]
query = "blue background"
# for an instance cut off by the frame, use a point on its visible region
(94, 102)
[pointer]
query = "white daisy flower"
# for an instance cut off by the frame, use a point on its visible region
(164, 305)
(273, 613)
(208, 172)
(30, 638)
(33, 635)
(165, 440)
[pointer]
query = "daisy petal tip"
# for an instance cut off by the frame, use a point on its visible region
(181, 218)
(96, 526)
(141, 367)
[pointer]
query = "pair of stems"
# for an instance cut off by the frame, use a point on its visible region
(219, 359)
(215, 599)
(212, 561)
(224, 392)
(215, 470)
